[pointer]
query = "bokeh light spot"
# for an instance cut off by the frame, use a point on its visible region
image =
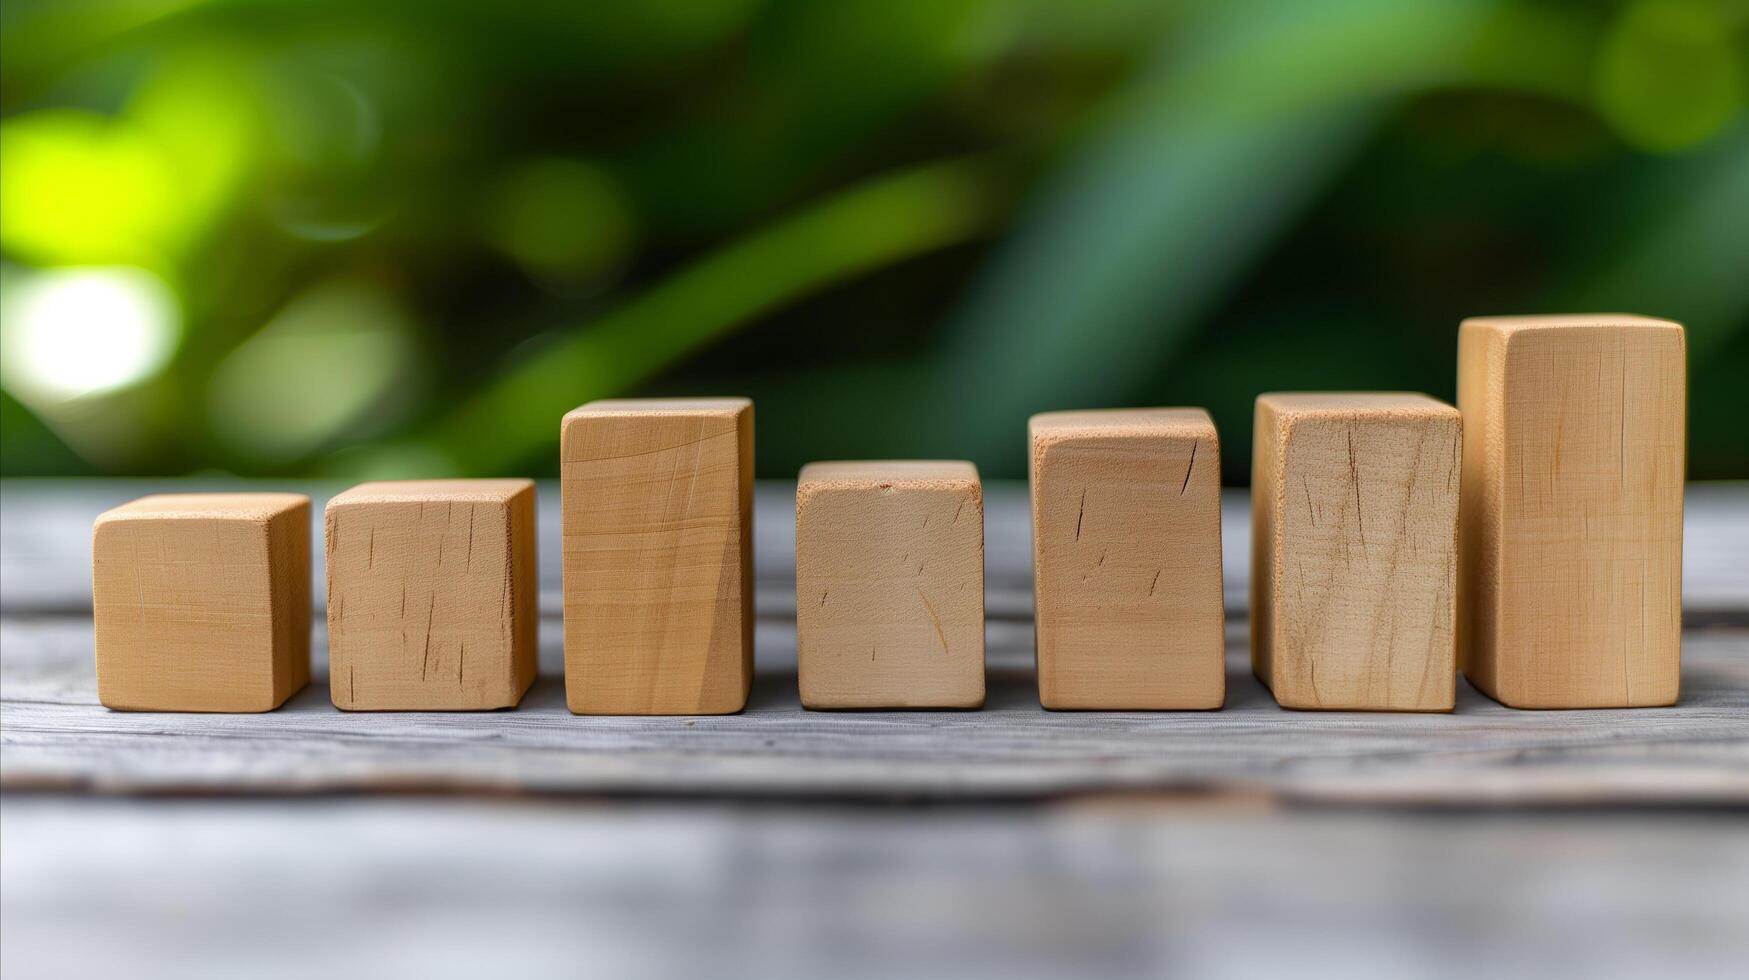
(560, 219)
(314, 373)
(78, 187)
(1668, 75)
(71, 333)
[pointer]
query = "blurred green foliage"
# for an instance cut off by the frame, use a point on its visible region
(351, 238)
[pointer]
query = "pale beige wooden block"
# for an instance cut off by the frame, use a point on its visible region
(1354, 550)
(890, 585)
(1571, 589)
(432, 595)
(658, 556)
(1126, 543)
(202, 601)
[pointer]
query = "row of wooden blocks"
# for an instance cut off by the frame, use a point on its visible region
(1562, 465)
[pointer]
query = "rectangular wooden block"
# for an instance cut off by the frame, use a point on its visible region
(1571, 586)
(202, 601)
(657, 499)
(890, 585)
(1126, 542)
(1354, 501)
(432, 595)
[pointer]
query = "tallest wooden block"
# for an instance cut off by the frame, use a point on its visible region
(657, 500)
(1571, 571)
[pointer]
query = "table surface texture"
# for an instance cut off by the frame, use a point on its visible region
(1010, 841)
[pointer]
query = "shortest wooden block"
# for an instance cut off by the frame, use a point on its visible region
(201, 601)
(1354, 550)
(890, 585)
(432, 595)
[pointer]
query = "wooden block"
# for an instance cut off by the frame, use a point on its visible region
(432, 595)
(1354, 502)
(202, 601)
(890, 585)
(658, 512)
(1126, 543)
(1571, 585)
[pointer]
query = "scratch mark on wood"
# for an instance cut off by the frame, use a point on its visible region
(1188, 470)
(1079, 514)
(469, 563)
(1354, 477)
(1156, 580)
(425, 657)
(934, 619)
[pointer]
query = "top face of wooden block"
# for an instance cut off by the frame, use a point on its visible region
(433, 491)
(1565, 321)
(884, 474)
(649, 407)
(1047, 427)
(252, 507)
(1350, 404)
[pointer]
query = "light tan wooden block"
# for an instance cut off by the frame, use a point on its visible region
(1126, 543)
(1354, 502)
(432, 595)
(890, 585)
(658, 514)
(1571, 588)
(202, 601)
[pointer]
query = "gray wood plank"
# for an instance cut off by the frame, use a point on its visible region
(387, 887)
(54, 734)
(45, 543)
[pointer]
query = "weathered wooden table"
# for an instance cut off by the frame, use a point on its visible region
(1010, 841)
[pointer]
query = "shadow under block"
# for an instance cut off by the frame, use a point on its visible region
(1126, 512)
(432, 595)
(201, 601)
(890, 585)
(1571, 583)
(1354, 501)
(657, 497)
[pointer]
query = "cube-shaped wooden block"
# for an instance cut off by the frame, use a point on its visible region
(658, 547)
(1571, 583)
(202, 601)
(890, 585)
(1354, 503)
(432, 595)
(1126, 544)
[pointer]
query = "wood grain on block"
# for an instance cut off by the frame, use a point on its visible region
(1354, 550)
(657, 500)
(890, 585)
(201, 601)
(1126, 538)
(432, 595)
(1572, 509)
